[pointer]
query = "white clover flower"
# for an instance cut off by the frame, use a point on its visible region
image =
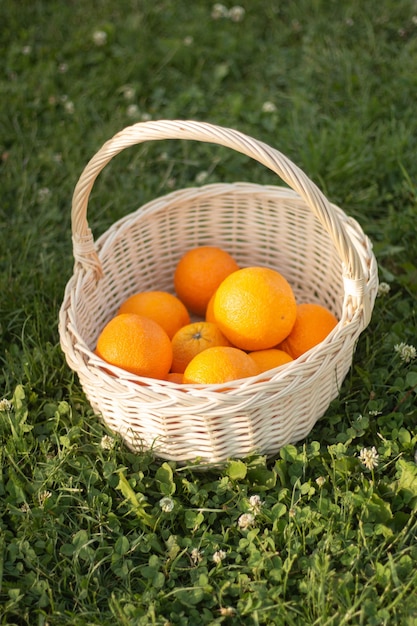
(43, 194)
(132, 111)
(236, 13)
(268, 107)
(255, 504)
(43, 497)
(196, 556)
(25, 508)
(26, 50)
(320, 480)
(188, 40)
(166, 504)
(406, 352)
(218, 556)
(383, 289)
(246, 520)
(100, 37)
(128, 92)
(6, 405)
(63, 68)
(369, 457)
(201, 177)
(218, 11)
(69, 107)
(227, 611)
(107, 442)
(145, 117)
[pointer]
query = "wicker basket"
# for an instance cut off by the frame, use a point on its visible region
(323, 253)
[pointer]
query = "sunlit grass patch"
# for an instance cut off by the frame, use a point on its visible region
(324, 532)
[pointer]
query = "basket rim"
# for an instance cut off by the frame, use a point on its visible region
(311, 358)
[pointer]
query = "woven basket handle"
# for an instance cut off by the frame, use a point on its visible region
(355, 272)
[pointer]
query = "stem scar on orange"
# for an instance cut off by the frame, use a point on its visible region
(136, 344)
(312, 325)
(255, 308)
(198, 274)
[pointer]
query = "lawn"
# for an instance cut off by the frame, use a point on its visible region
(325, 531)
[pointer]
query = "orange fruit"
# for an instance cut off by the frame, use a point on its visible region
(209, 310)
(255, 308)
(136, 344)
(219, 364)
(162, 307)
(198, 274)
(175, 377)
(270, 358)
(312, 324)
(193, 339)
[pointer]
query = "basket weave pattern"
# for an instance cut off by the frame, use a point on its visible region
(323, 254)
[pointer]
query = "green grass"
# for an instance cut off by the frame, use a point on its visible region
(83, 537)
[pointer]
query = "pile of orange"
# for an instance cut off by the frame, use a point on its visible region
(247, 321)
